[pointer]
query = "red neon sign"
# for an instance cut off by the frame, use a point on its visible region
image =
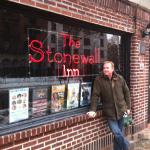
(72, 42)
(38, 54)
(59, 58)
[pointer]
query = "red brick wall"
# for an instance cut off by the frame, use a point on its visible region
(89, 11)
(80, 131)
(139, 76)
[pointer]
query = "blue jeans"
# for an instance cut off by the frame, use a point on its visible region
(120, 142)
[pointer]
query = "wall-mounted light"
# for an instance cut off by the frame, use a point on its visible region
(146, 31)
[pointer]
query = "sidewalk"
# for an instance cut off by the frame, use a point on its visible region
(141, 141)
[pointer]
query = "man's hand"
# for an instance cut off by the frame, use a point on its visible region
(91, 114)
(128, 111)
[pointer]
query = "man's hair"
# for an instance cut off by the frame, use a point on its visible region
(110, 62)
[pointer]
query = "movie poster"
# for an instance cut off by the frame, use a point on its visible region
(73, 95)
(58, 98)
(39, 102)
(18, 104)
(85, 95)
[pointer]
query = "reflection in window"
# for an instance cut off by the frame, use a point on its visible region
(86, 41)
(53, 26)
(53, 47)
(39, 49)
(102, 54)
(102, 42)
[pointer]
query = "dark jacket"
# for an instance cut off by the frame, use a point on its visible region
(114, 94)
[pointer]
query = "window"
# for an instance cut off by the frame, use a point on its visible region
(48, 67)
(86, 41)
(102, 54)
(102, 42)
(53, 38)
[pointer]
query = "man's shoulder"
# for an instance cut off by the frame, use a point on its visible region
(118, 75)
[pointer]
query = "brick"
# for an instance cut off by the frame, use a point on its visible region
(1, 141)
(29, 132)
(50, 142)
(68, 140)
(67, 131)
(34, 133)
(5, 146)
(54, 9)
(72, 9)
(62, 6)
(47, 128)
(74, 1)
(77, 136)
(72, 134)
(41, 5)
(77, 145)
(15, 148)
(46, 148)
(77, 6)
(43, 128)
(62, 138)
(23, 134)
(37, 146)
(43, 139)
(68, 145)
(66, 13)
(39, 130)
(62, 124)
(58, 148)
(28, 144)
(76, 128)
(63, 147)
(56, 135)
(28, 2)
(82, 130)
(57, 144)
(67, 3)
(74, 142)
(50, 2)
(6, 139)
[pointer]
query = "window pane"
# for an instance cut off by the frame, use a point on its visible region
(35, 48)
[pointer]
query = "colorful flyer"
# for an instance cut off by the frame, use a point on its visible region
(57, 98)
(39, 102)
(18, 104)
(85, 95)
(73, 95)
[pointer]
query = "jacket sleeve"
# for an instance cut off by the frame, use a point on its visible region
(126, 94)
(95, 94)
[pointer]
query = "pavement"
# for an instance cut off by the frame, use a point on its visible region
(143, 140)
(140, 141)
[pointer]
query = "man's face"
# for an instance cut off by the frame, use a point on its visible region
(107, 69)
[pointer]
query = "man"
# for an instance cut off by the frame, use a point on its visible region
(114, 93)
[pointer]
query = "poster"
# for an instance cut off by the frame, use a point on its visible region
(57, 98)
(73, 95)
(39, 102)
(85, 95)
(18, 104)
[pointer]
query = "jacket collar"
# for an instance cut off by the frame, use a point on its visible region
(114, 76)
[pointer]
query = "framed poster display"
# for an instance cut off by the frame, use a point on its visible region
(85, 93)
(58, 98)
(18, 104)
(39, 102)
(73, 95)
